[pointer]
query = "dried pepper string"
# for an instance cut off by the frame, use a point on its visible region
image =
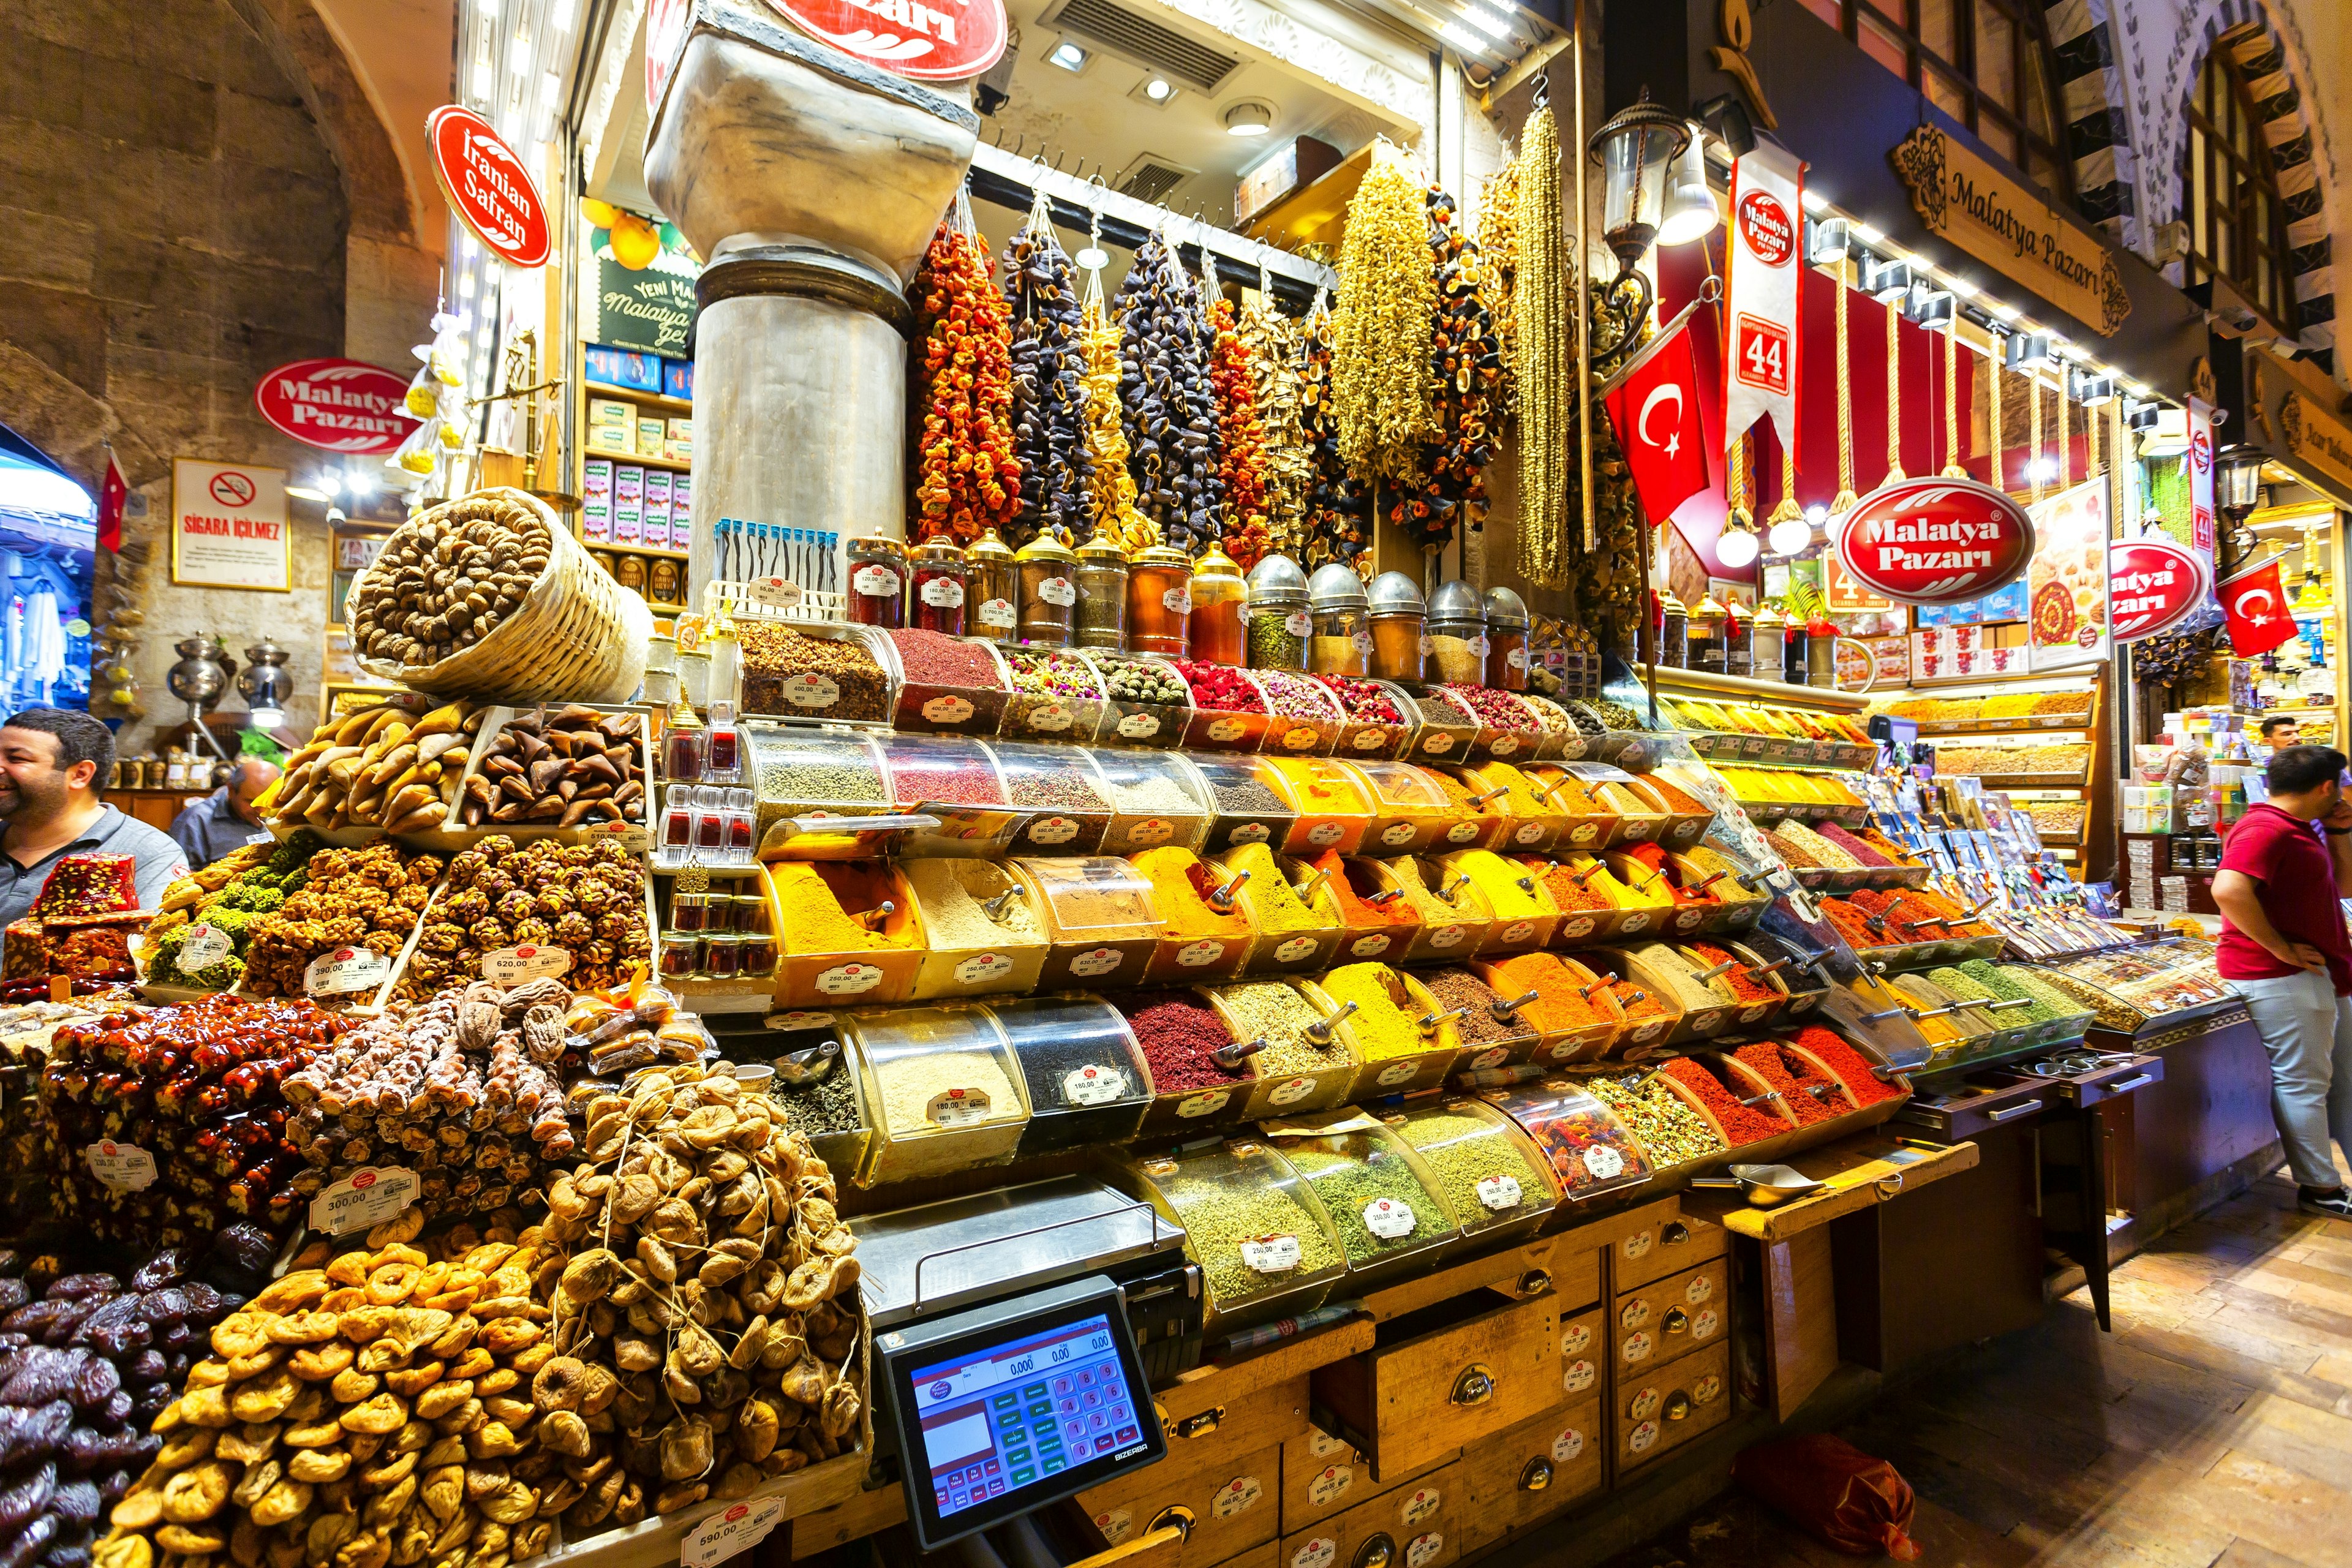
(1276, 344)
(1242, 466)
(1110, 489)
(1380, 361)
(1339, 521)
(967, 478)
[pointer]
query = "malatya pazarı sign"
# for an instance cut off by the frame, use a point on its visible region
(2014, 230)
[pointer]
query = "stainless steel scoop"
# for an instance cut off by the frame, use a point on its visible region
(1767, 1186)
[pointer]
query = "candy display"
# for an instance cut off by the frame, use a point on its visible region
(587, 899)
(395, 765)
(225, 897)
(369, 897)
(570, 767)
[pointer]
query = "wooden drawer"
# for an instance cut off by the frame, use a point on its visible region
(1321, 1475)
(1437, 1380)
(1656, 1412)
(1410, 1526)
(1583, 1355)
(1231, 1508)
(1522, 1477)
(1267, 1556)
(1231, 1419)
(1667, 1244)
(1663, 1322)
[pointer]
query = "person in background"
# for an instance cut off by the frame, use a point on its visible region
(53, 767)
(2278, 733)
(2284, 946)
(224, 820)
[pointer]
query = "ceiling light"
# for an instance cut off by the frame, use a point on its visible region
(305, 492)
(1867, 235)
(361, 482)
(1462, 38)
(1737, 548)
(1068, 56)
(2041, 470)
(1794, 536)
(1827, 241)
(1888, 282)
(1249, 118)
(1486, 21)
(1814, 202)
(1158, 89)
(2027, 352)
(1962, 287)
(331, 483)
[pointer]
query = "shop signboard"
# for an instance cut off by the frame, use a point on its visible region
(641, 290)
(2152, 584)
(959, 38)
(488, 185)
(338, 405)
(2069, 577)
(2315, 438)
(2199, 462)
(228, 527)
(1935, 540)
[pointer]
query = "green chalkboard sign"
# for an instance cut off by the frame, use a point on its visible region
(644, 278)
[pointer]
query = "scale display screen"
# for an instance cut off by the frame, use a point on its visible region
(1026, 1410)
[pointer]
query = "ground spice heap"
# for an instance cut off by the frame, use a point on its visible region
(2011, 981)
(1801, 846)
(948, 893)
(1651, 858)
(1740, 1123)
(1736, 978)
(1864, 853)
(1353, 1171)
(1353, 884)
(962, 777)
(934, 658)
(1180, 1035)
(1383, 1030)
(1637, 1001)
(1510, 888)
(1466, 907)
(1630, 885)
(1852, 923)
(1268, 899)
(1557, 1007)
(1863, 1085)
(1464, 1154)
(1280, 1016)
(1670, 1130)
(1678, 801)
(1798, 1081)
(1711, 861)
(1695, 995)
(817, 907)
(1221, 1214)
(1571, 884)
(774, 653)
(1242, 792)
(1144, 789)
(1479, 1024)
(1180, 888)
(911, 1081)
(828, 1105)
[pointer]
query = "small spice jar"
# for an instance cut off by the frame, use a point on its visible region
(1705, 633)
(723, 956)
(1767, 634)
(991, 587)
(1279, 620)
(1821, 655)
(877, 580)
(1457, 632)
(1102, 577)
(1674, 632)
(689, 912)
(1506, 640)
(941, 574)
(758, 954)
(661, 671)
(681, 955)
(1220, 601)
(1400, 627)
(1795, 650)
(1048, 595)
(1342, 640)
(662, 585)
(1160, 600)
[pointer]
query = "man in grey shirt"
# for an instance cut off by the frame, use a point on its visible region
(224, 820)
(53, 764)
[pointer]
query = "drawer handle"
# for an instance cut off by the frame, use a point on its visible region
(1177, 1515)
(1675, 1234)
(1203, 1424)
(1377, 1553)
(2004, 1114)
(1678, 1405)
(1535, 1282)
(1537, 1475)
(1677, 1321)
(1476, 1385)
(2142, 1081)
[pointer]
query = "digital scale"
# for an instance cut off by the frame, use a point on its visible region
(1016, 1336)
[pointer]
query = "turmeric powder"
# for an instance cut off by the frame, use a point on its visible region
(1181, 890)
(818, 906)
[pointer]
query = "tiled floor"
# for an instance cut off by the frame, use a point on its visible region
(2212, 1429)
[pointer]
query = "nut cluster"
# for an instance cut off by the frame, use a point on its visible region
(587, 899)
(967, 479)
(449, 576)
(1380, 361)
(387, 766)
(1049, 396)
(1241, 468)
(1164, 392)
(369, 897)
(563, 769)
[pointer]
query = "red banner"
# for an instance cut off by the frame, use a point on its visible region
(959, 39)
(2255, 602)
(2153, 583)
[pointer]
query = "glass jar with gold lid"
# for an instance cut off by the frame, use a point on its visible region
(1101, 576)
(1159, 599)
(991, 588)
(1048, 595)
(1220, 604)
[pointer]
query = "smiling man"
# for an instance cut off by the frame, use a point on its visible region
(53, 767)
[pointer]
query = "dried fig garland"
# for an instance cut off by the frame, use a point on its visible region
(1242, 470)
(448, 577)
(1276, 344)
(1338, 519)
(1464, 363)
(1048, 381)
(967, 479)
(1110, 489)
(1163, 389)
(1379, 359)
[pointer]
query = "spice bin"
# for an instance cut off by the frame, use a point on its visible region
(816, 1085)
(1410, 812)
(1296, 1070)
(1508, 728)
(1578, 1019)
(1525, 915)
(1687, 817)
(1264, 1244)
(1306, 718)
(1294, 932)
(1155, 800)
(1492, 1034)
(1399, 622)
(1590, 1151)
(1495, 1184)
(1675, 1133)
(945, 1091)
(838, 948)
(936, 771)
(980, 931)
(1403, 1041)
(952, 685)
(817, 671)
(1799, 969)
(1229, 709)
(1341, 640)
(1652, 1012)
(1278, 621)
(1200, 938)
(1738, 905)
(1180, 1033)
(1374, 1188)
(1329, 800)
(1101, 926)
(1245, 806)
(1081, 1072)
(1056, 695)
(1062, 785)
(797, 772)
(1385, 929)
(1534, 828)
(1455, 918)
(1637, 821)
(1447, 730)
(1763, 999)
(1381, 718)
(1146, 702)
(1705, 1013)
(937, 597)
(1458, 631)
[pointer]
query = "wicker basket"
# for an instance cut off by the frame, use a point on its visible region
(578, 635)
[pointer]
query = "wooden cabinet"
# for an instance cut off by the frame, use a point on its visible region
(1525, 1474)
(1657, 1411)
(1414, 1525)
(1229, 1506)
(1658, 1322)
(1666, 1244)
(1437, 1380)
(1322, 1476)
(1226, 1416)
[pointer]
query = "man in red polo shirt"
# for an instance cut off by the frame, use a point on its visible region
(2284, 946)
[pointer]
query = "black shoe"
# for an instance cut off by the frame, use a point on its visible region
(2329, 1203)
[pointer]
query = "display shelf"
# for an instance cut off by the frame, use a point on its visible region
(637, 549)
(672, 464)
(2028, 781)
(661, 400)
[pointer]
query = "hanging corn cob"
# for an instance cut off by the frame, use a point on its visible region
(967, 479)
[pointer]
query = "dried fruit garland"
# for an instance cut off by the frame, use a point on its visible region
(1110, 489)
(1498, 242)
(1241, 470)
(1464, 363)
(1339, 521)
(1276, 343)
(1545, 350)
(1380, 361)
(967, 479)
(1163, 390)
(1048, 381)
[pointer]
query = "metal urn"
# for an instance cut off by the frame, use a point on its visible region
(200, 677)
(266, 684)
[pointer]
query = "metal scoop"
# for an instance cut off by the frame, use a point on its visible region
(1767, 1186)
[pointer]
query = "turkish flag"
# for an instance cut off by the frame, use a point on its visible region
(2255, 602)
(112, 492)
(1655, 410)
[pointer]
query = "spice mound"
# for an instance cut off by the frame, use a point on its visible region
(793, 674)
(1366, 701)
(934, 658)
(1481, 1171)
(1356, 884)
(1184, 888)
(1481, 1023)
(1740, 1123)
(1810, 1094)
(1738, 979)
(961, 777)
(1862, 1081)
(1382, 1029)
(1281, 1016)
(1670, 1130)
(1560, 1007)
(1225, 1224)
(1270, 900)
(963, 905)
(1180, 1036)
(1376, 1202)
(825, 906)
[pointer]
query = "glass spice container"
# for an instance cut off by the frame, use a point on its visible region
(1400, 627)
(1048, 598)
(877, 580)
(1767, 634)
(1705, 634)
(1342, 638)
(1674, 632)
(1795, 650)
(941, 574)
(1737, 656)
(661, 671)
(992, 584)
(1220, 604)
(1279, 620)
(1159, 600)
(1457, 632)
(1506, 640)
(1821, 655)
(1101, 576)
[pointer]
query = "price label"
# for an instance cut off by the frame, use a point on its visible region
(1271, 1254)
(345, 969)
(1321, 1445)
(1644, 1404)
(1707, 1390)
(1095, 964)
(1117, 1524)
(775, 592)
(1518, 931)
(1424, 1549)
(1324, 833)
(941, 593)
(1448, 936)
(1578, 1338)
(1331, 1482)
(1094, 1086)
(1504, 746)
(1637, 1346)
(1704, 1323)
(1139, 726)
(1051, 716)
(1177, 601)
(1236, 1495)
(1428, 645)
(1638, 1244)
(875, 582)
(1296, 948)
(1420, 1504)
(848, 979)
(1362, 641)
(1301, 739)
(1638, 920)
(1155, 831)
(1643, 1437)
(1567, 1445)
(1397, 1073)
(1292, 1091)
(1577, 1375)
(1197, 954)
(1053, 830)
(1369, 740)
(1478, 645)
(1700, 1289)
(1250, 833)
(205, 946)
(1320, 1552)
(1208, 1102)
(1603, 1161)
(799, 1020)
(1225, 730)
(1634, 1313)
(1389, 1219)
(513, 965)
(1396, 835)
(1057, 591)
(737, 1527)
(1461, 832)
(1488, 1059)
(1584, 833)
(633, 837)
(958, 1107)
(1298, 623)
(364, 1198)
(1500, 1194)
(812, 691)
(1577, 926)
(998, 613)
(255, 840)
(1368, 946)
(123, 1167)
(1438, 745)
(947, 711)
(982, 968)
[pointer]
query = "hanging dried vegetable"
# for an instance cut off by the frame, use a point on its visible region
(1546, 347)
(1276, 344)
(1048, 381)
(1163, 389)
(1464, 363)
(1499, 243)
(1110, 489)
(1242, 470)
(1338, 520)
(1380, 360)
(967, 479)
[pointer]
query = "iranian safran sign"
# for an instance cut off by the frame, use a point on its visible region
(2011, 228)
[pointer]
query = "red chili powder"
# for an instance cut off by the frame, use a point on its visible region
(1741, 1123)
(1863, 1081)
(1747, 990)
(1796, 1080)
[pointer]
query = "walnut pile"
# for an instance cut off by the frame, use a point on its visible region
(463, 1090)
(711, 1274)
(587, 899)
(369, 897)
(448, 577)
(394, 1405)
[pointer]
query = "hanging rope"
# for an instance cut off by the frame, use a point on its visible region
(1952, 468)
(2034, 470)
(1992, 407)
(1846, 497)
(2065, 443)
(1893, 395)
(1736, 482)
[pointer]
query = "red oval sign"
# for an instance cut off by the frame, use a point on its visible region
(1935, 540)
(337, 405)
(488, 185)
(1764, 222)
(930, 40)
(2152, 584)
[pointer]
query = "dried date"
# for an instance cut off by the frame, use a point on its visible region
(168, 1267)
(83, 1287)
(28, 1435)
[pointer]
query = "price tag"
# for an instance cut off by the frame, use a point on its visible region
(1637, 1246)
(1292, 1091)
(345, 969)
(1225, 730)
(812, 691)
(1643, 1404)
(1603, 1161)
(1461, 832)
(1500, 1194)
(1320, 1552)
(1703, 1324)
(1389, 1219)
(1424, 1549)
(1296, 948)
(1331, 1482)
(1368, 946)
(736, 1528)
(1577, 1376)
(1700, 1289)
(1301, 739)
(1053, 830)
(958, 1107)
(848, 979)
(875, 582)
(942, 593)
(1271, 1254)
(1428, 645)
(1250, 833)
(633, 837)
(1577, 926)
(1637, 1346)
(1530, 832)
(1236, 1495)
(1643, 1437)
(1094, 1086)
(1448, 936)
(1518, 931)
(1438, 745)
(1326, 833)
(1101, 962)
(985, 968)
(1177, 601)
(1397, 1073)
(1516, 659)
(1638, 920)
(1208, 1102)
(1567, 1445)
(1420, 1504)
(1707, 1390)
(775, 592)
(1116, 1525)
(1158, 830)
(1584, 833)
(1139, 726)
(1321, 1445)
(1362, 641)
(1396, 835)
(1634, 1313)
(1578, 1338)
(364, 1198)
(947, 711)
(513, 965)
(1488, 1059)
(1478, 645)
(998, 613)
(799, 1020)
(123, 1167)
(205, 946)
(1369, 740)
(255, 841)
(1057, 591)
(1503, 747)
(1050, 715)
(1196, 954)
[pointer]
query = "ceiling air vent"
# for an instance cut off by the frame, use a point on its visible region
(1144, 41)
(1151, 177)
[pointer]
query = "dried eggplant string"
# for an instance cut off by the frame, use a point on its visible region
(1165, 397)
(1048, 358)
(1276, 343)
